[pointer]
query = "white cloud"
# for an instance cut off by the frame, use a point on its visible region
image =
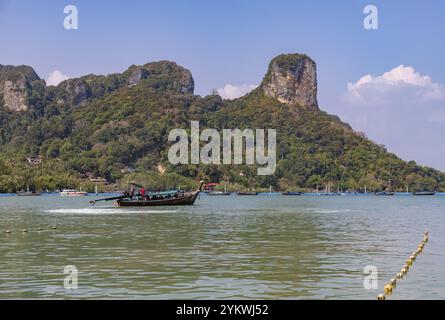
(402, 109)
(232, 92)
(398, 80)
(55, 77)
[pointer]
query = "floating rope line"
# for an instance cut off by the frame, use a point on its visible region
(8, 231)
(389, 287)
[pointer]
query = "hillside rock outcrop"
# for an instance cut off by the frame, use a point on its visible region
(16, 85)
(164, 75)
(292, 79)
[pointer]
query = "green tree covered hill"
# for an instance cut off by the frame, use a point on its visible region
(117, 126)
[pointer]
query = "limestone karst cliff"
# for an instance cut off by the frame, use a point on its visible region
(292, 79)
(16, 85)
(19, 83)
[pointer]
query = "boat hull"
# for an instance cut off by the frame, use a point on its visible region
(424, 193)
(385, 193)
(187, 199)
(28, 194)
(219, 193)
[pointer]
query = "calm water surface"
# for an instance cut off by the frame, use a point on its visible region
(264, 247)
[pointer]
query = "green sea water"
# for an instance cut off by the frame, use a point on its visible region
(237, 247)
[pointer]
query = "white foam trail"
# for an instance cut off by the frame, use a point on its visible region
(331, 210)
(105, 211)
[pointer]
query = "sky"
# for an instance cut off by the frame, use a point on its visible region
(388, 82)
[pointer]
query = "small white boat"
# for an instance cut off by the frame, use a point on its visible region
(73, 193)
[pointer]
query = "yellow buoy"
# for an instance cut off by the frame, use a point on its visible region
(409, 262)
(399, 275)
(387, 288)
(404, 271)
(393, 282)
(8, 231)
(24, 230)
(381, 297)
(54, 227)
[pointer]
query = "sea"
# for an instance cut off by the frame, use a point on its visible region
(224, 247)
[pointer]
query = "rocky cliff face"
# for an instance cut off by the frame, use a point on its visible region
(19, 83)
(76, 91)
(16, 86)
(292, 79)
(161, 75)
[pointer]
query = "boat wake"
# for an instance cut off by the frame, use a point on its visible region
(105, 211)
(317, 210)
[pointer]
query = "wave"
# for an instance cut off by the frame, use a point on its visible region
(317, 210)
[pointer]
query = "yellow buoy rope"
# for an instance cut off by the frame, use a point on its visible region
(389, 287)
(25, 230)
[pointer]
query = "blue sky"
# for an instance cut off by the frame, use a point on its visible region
(231, 42)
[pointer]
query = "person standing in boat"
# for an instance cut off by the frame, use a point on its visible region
(142, 193)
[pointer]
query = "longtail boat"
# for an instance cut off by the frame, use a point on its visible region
(291, 193)
(166, 198)
(385, 193)
(28, 193)
(424, 193)
(247, 193)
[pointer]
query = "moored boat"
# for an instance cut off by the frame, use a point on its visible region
(291, 193)
(28, 193)
(247, 193)
(385, 193)
(219, 193)
(424, 193)
(73, 193)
